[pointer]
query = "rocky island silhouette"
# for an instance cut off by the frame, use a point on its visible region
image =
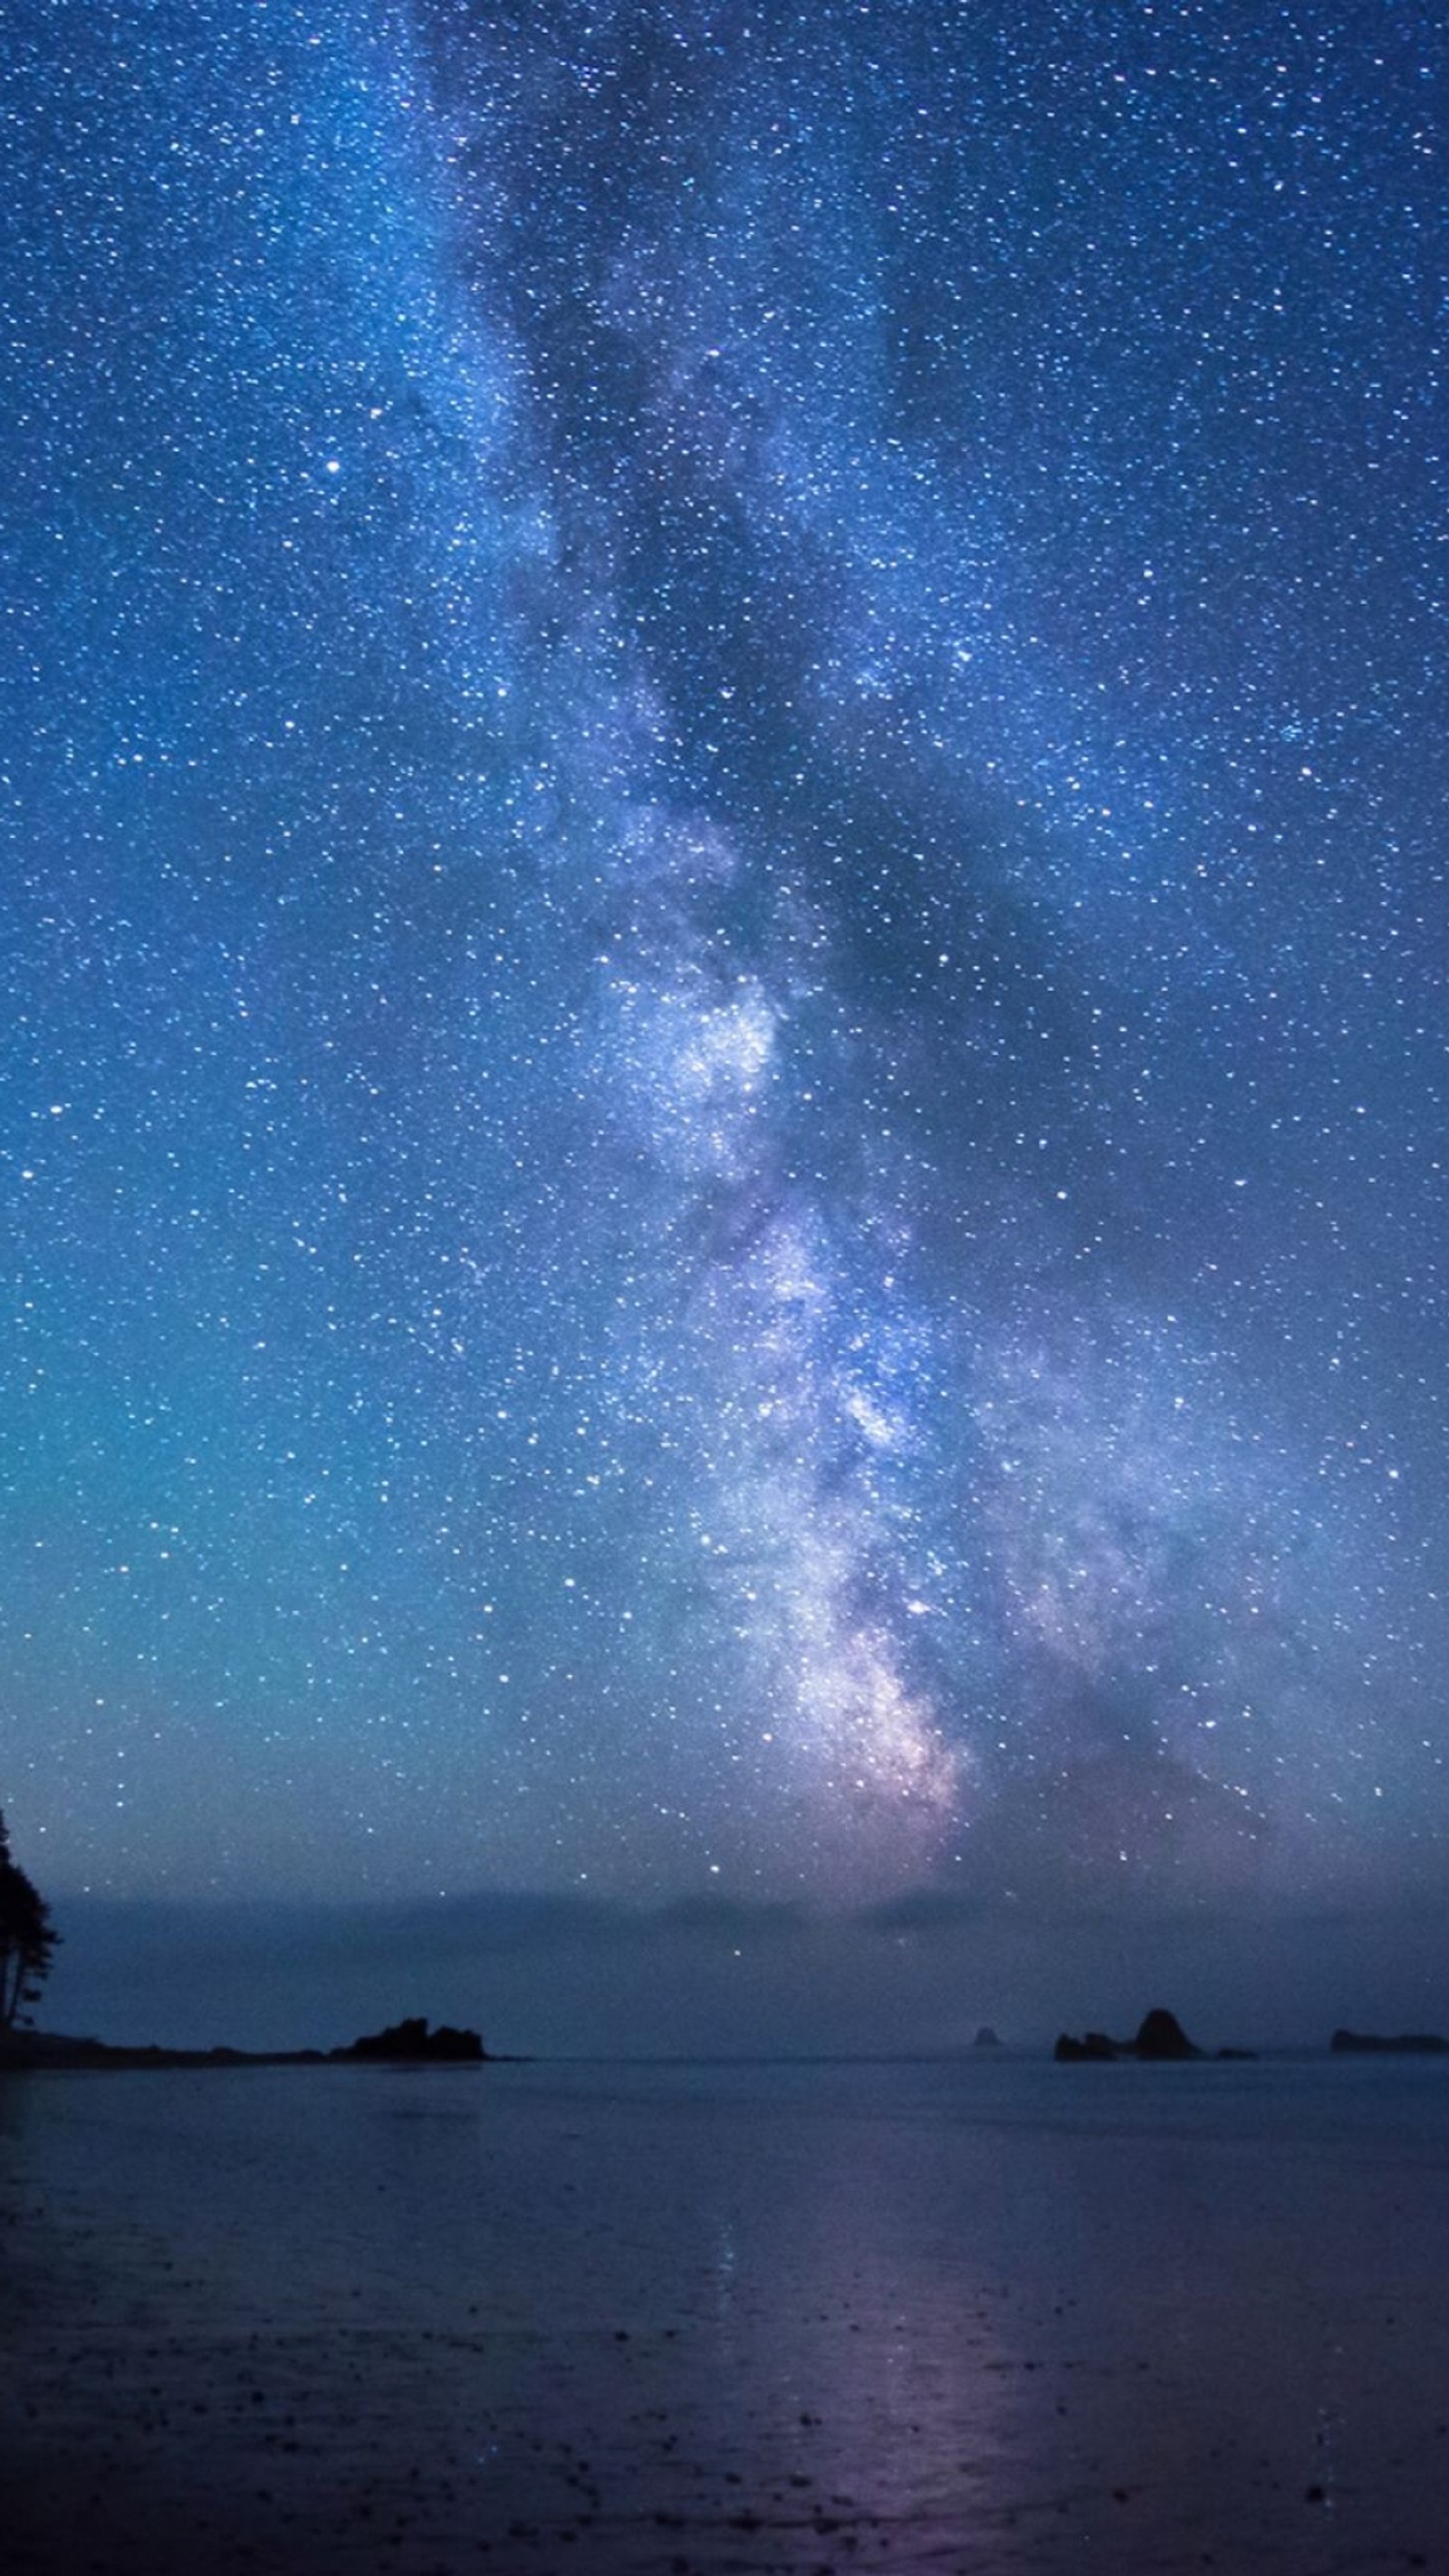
(1160, 2040)
(1409, 2043)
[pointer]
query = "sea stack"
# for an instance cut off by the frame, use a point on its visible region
(1160, 2039)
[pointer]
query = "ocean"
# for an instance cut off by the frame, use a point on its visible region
(982, 2315)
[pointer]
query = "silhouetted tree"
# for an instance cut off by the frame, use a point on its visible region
(27, 1938)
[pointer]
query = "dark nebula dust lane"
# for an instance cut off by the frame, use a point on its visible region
(722, 1027)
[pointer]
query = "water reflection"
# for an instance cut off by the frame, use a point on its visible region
(931, 2319)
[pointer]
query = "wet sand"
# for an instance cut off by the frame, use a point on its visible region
(980, 2318)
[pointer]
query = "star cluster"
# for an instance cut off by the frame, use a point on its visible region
(723, 1036)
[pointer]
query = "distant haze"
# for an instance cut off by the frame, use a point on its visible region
(557, 1977)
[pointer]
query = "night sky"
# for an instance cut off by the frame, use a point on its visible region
(723, 1039)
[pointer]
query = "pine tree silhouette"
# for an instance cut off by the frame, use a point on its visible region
(27, 1939)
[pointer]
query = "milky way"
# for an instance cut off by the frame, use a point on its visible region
(723, 1035)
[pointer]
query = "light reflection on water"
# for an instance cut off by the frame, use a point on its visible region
(1051, 2317)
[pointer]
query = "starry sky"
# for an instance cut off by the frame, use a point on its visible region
(723, 1040)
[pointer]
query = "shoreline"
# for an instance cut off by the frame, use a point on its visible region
(753, 2328)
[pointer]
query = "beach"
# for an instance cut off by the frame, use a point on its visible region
(978, 2315)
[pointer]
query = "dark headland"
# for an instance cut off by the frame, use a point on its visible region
(1409, 2043)
(403, 2043)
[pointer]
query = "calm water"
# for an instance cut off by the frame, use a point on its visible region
(983, 2316)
